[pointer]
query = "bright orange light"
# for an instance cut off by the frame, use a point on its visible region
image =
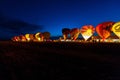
(87, 34)
(87, 31)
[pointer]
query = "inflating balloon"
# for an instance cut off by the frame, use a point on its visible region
(87, 31)
(27, 37)
(22, 38)
(65, 32)
(116, 29)
(16, 38)
(104, 29)
(74, 33)
(46, 35)
(37, 36)
(31, 37)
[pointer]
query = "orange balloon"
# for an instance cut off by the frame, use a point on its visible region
(87, 31)
(104, 29)
(74, 33)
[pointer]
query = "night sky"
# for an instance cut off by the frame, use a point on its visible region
(31, 16)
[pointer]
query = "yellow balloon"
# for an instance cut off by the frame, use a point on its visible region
(27, 37)
(116, 29)
(37, 36)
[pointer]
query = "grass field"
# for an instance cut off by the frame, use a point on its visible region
(59, 61)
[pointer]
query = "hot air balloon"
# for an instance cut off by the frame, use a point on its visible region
(31, 36)
(116, 29)
(22, 38)
(74, 33)
(104, 29)
(15, 38)
(27, 37)
(65, 32)
(87, 31)
(39, 36)
(46, 35)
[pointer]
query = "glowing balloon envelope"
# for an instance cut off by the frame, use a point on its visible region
(74, 33)
(46, 35)
(37, 36)
(87, 31)
(15, 38)
(22, 38)
(116, 29)
(65, 32)
(27, 37)
(104, 29)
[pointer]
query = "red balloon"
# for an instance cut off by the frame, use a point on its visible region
(74, 33)
(104, 29)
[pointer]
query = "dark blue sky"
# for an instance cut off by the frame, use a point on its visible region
(30, 16)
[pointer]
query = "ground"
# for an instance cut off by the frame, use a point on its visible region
(59, 61)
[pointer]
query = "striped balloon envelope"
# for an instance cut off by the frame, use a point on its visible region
(104, 29)
(87, 31)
